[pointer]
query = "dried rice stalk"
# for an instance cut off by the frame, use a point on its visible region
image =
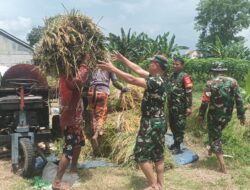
(131, 99)
(65, 41)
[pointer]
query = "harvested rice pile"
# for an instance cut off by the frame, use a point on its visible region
(131, 99)
(65, 41)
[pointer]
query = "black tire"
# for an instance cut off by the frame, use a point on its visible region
(26, 159)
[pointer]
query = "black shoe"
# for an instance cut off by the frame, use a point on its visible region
(176, 151)
(172, 146)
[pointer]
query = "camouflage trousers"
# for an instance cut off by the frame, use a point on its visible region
(150, 141)
(214, 135)
(97, 113)
(177, 123)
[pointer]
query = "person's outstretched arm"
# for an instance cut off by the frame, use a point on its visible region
(134, 67)
(118, 85)
(204, 103)
(108, 66)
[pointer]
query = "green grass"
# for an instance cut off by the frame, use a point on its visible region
(118, 147)
(235, 143)
(242, 177)
(235, 138)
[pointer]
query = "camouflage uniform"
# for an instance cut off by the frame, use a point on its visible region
(220, 95)
(179, 99)
(150, 139)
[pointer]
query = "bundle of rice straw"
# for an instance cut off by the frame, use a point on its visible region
(131, 99)
(65, 41)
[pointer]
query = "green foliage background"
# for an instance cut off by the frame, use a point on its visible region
(199, 69)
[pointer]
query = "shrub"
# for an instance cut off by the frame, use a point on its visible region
(199, 69)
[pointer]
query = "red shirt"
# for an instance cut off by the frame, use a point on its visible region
(70, 97)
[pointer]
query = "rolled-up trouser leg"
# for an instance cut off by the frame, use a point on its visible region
(214, 135)
(98, 104)
(100, 112)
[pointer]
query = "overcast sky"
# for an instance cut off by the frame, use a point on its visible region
(150, 16)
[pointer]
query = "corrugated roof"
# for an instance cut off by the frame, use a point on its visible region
(13, 38)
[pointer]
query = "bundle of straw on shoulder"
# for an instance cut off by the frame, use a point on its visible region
(66, 40)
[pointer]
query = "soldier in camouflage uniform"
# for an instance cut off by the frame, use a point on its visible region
(150, 139)
(219, 96)
(179, 103)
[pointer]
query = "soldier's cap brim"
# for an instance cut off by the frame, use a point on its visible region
(161, 60)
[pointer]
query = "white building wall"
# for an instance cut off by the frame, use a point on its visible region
(12, 53)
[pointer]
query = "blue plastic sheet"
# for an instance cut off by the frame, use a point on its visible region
(187, 156)
(95, 164)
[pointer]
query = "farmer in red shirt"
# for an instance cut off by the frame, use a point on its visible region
(70, 121)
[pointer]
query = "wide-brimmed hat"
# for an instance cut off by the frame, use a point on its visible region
(161, 60)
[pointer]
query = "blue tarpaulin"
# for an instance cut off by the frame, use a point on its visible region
(95, 164)
(187, 156)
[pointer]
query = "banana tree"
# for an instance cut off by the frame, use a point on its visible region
(135, 47)
(162, 45)
(235, 50)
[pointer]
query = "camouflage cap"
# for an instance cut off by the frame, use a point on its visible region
(218, 67)
(161, 60)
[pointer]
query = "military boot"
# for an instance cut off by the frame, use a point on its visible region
(177, 149)
(172, 146)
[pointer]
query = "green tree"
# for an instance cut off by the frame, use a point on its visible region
(236, 50)
(130, 44)
(35, 34)
(138, 47)
(167, 47)
(222, 18)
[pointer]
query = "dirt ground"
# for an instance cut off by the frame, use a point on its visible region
(200, 175)
(7, 178)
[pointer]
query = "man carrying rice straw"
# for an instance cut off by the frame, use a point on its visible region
(71, 122)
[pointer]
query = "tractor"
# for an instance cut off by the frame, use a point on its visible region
(25, 116)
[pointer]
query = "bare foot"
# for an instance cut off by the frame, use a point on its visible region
(74, 170)
(95, 139)
(223, 170)
(58, 185)
(148, 188)
(152, 187)
(209, 152)
(95, 150)
(160, 187)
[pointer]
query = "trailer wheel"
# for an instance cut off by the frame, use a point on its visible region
(26, 158)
